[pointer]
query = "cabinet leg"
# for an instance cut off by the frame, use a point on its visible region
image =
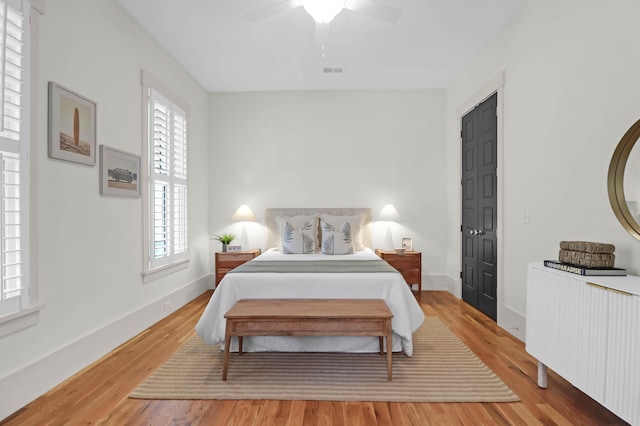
(542, 375)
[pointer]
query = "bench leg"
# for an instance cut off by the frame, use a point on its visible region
(227, 350)
(389, 363)
(239, 345)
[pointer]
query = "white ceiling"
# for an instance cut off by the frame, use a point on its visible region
(426, 48)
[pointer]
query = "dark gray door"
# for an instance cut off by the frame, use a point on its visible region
(479, 207)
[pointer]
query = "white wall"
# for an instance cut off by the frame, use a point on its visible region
(571, 91)
(90, 246)
(332, 149)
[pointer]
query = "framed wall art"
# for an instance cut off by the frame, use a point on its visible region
(407, 243)
(72, 126)
(119, 173)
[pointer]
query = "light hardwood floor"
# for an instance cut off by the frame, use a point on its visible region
(98, 394)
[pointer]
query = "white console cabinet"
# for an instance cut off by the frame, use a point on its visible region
(587, 329)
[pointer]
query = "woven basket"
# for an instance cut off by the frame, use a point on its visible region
(587, 246)
(587, 260)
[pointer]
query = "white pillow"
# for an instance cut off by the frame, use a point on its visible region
(336, 240)
(296, 221)
(357, 227)
(299, 239)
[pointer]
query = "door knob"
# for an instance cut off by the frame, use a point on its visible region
(479, 232)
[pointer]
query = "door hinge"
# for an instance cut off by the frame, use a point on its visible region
(460, 274)
(460, 228)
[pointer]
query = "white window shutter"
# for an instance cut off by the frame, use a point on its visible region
(13, 159)
(167, 147)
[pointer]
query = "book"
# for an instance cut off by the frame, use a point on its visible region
(581, 270)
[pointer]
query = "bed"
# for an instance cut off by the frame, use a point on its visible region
(315, 275)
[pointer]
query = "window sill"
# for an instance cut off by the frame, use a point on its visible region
(163, 271)
(20, 320)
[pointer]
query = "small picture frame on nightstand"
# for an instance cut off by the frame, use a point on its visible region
(407, 244)
(234, 248)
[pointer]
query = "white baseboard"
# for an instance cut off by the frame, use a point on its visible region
(26, 384)
(510, 320)
(456, 287)
(436, 283)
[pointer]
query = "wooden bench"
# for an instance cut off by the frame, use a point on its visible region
(308, 317)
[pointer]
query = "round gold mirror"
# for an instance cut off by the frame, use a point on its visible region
(624, 183)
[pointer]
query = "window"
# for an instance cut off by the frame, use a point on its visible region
(165, 197)
(14, 166)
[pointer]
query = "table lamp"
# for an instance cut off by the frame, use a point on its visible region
(389, 214)
(244, 215)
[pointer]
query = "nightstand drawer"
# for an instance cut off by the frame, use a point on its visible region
(226, 261)
(240, 257)
(411, 276)
(223, 270)
(231, 263)
(409, 264)
(399, 257)
(404, 263)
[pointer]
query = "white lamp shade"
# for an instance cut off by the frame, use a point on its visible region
(389, 214)
(323, 11)
(243, 214)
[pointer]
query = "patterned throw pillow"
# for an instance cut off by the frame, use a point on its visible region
(299, 240)
(336, 240)
(357, 227)
(297, 221)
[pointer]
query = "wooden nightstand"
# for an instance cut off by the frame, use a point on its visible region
(226, 261)
(409, 264)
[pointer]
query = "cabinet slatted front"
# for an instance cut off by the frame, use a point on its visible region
(587, 329)
(622, 392)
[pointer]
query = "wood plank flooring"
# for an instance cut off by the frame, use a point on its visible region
(98, 394)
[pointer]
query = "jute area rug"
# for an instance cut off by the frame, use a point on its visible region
(442, 369)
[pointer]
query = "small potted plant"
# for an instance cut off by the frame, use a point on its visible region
(225, 239)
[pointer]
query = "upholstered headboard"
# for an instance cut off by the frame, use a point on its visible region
(270, 216)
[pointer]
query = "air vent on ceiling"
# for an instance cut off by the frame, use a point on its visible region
(332, 70)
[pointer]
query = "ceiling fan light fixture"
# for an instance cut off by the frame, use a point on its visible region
(323, 11)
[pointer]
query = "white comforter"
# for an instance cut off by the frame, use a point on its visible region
(407, 314)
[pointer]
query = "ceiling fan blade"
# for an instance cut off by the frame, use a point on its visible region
(375, 9)
(271, 10)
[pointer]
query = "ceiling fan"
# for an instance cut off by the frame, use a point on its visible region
(323, 11)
